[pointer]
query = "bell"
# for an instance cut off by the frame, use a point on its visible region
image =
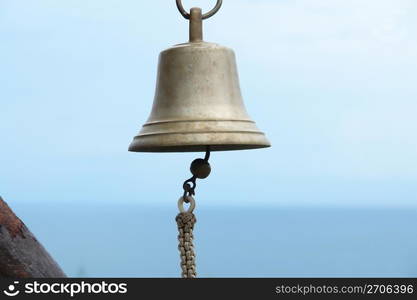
(198, 103)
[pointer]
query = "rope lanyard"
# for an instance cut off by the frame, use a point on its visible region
(185, 222)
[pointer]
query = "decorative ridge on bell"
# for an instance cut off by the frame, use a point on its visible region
(198, 103)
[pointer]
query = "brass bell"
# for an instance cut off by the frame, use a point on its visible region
(198, 103)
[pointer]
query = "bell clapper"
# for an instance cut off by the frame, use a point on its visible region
(200, 168)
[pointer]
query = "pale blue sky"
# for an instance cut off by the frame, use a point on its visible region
(331, 82)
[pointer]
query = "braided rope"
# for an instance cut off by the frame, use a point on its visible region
(185, 222)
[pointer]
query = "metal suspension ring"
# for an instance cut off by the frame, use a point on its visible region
(181, 202)
(211, 13)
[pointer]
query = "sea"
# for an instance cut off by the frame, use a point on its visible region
(121, 240)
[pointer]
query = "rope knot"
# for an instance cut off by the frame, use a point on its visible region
(185, 219)
(185, 222)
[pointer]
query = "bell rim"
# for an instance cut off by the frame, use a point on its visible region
(197, 142)
(196, 148)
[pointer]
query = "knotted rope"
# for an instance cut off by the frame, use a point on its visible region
(185, 222)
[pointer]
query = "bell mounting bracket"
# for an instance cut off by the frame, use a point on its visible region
(196, 18)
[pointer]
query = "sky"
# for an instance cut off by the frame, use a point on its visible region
(332, 83)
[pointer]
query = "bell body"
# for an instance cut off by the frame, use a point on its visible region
(198, 103)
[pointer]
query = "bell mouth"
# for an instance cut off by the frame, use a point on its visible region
(193, 148)
(196, 135)
(198, 142)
